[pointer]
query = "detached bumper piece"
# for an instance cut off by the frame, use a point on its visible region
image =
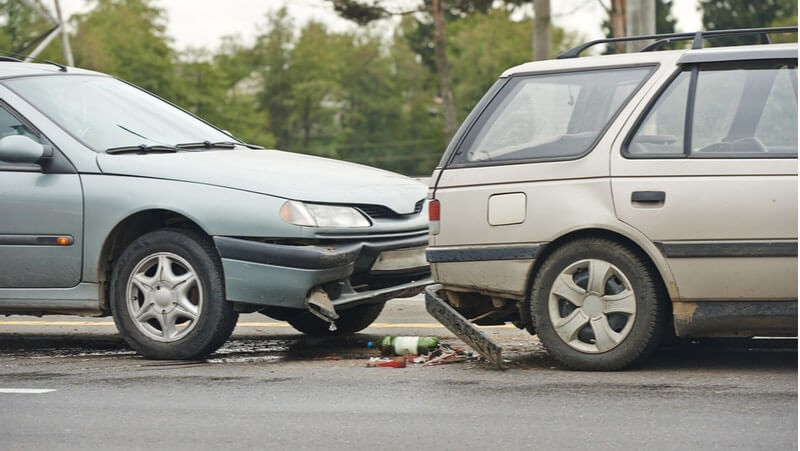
(323, 277)
(461, 327)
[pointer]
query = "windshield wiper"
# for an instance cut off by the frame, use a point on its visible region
(141, 149)
(215, 145)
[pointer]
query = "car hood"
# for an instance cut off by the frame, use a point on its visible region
(282, 174)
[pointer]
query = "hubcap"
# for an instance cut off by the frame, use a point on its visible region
(164, 297)
(592, 306)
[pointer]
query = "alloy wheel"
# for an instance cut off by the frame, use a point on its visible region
(164, 297)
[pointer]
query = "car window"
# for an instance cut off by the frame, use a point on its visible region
(777, 129)
(732, 102)
(550, 115)
(739, 109)
(661, 132)
(103, 112)
(10, 125)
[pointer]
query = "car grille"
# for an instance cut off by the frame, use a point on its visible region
(383, 212)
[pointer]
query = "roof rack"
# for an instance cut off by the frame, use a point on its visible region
(696, 38)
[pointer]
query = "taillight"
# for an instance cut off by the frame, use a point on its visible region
(434, 210)
(434, 214)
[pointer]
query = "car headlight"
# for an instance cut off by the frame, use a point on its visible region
(318, 215)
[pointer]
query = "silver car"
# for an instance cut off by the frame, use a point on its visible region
(605, 202)
(115, 202)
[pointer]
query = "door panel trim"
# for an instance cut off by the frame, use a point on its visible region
(82, 299)
(483, 253)
(735, 318)
(37, 240)
(728, 249)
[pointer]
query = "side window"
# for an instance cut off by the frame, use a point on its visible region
(738, 109)
(661, 132)
(777, 129)
(10, 125)
(549, 116)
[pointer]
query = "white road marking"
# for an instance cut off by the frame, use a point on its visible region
(26, 391)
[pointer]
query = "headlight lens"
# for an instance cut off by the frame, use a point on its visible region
(318, 215)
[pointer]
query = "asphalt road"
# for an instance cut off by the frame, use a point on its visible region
(271, 388)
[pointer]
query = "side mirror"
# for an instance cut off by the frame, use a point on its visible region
(21, 149)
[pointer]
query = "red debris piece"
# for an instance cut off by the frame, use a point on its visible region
(397, 362)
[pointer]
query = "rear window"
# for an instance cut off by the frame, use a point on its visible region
(549, 116)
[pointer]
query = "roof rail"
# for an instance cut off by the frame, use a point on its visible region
(696, 38)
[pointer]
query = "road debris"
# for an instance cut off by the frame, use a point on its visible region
(384, 362)
(443, 355)
(446, 355)
(404, 345)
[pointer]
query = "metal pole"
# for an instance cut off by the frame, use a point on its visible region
(542, 39)
(64, 36)
(641, 20)
(45, 42)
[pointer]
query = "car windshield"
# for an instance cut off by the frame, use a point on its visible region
(103, 112)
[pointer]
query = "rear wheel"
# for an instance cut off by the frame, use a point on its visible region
(168, 296)
(596, 305)
(350, 321)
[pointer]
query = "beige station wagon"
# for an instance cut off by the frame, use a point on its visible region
(606, 202)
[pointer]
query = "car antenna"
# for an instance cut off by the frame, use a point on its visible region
(11, 56)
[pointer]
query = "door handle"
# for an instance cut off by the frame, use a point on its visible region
(649, 197)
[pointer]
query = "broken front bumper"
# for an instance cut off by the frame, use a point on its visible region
(351, 273)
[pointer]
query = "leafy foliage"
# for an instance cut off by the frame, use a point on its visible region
(350, 95)
(728, 14)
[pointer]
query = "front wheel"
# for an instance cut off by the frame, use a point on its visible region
(597, 305)
(168, 296)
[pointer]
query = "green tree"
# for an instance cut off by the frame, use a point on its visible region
(273, 52)
(127, 38)
(730, 14)
(435, 13)
(785, 21)
(22, 27)
(208, 92)
(665, 22)
(316, 62)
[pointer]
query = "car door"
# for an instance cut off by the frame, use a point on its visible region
(41, 216)
(709, 173)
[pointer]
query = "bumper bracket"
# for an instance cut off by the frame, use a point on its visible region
(461, 327)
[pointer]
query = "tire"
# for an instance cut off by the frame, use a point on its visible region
(350, 321)
(587, 331)
(144, 285)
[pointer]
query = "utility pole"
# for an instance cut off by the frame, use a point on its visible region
(443, 68)
(617, 14)
(640, 16)
(64, 37)
(60, 28)
(542, 37)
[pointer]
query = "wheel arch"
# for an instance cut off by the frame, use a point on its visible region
(131, 228)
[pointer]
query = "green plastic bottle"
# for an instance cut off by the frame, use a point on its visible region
(405, 345)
